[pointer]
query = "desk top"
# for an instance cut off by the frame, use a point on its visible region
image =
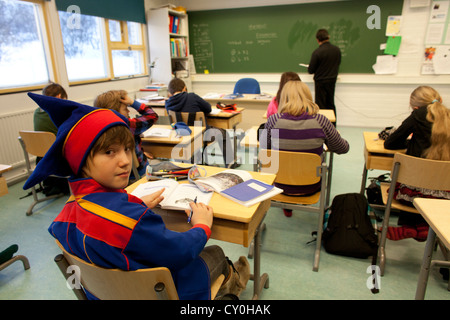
(376, 145)
(173, 138)
(437, 213)
(249, 98)
(4, 168)
(223, 114)
(224, 208)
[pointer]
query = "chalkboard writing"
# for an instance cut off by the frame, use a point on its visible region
(278, 38)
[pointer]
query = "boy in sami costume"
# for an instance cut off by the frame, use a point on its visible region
(102, 224)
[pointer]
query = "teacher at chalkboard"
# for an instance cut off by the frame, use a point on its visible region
(324, 63)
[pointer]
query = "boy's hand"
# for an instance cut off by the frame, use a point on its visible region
(152, 200)
(127, 100)
(202, 214)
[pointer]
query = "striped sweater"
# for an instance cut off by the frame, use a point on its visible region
(304, 133)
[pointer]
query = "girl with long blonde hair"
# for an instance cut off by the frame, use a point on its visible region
(298, 127)
(429, 124)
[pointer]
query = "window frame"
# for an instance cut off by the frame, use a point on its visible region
(125, 45)
(116, 45)
(49, 49)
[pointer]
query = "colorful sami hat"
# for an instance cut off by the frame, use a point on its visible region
(79, 126)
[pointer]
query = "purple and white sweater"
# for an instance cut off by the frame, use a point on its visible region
(304, 133)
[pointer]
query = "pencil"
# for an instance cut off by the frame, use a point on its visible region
(192, 212)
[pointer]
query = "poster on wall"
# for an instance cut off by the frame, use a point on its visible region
(437, 39)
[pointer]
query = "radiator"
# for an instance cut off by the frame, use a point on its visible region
(10, 124)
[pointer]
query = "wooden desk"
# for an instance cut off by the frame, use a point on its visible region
(437, 214)
(173, 147)
(225, 120)
(253, 108)
(376, 156)
(3, 185)
(232, 222)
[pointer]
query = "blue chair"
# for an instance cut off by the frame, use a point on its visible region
(247, 85)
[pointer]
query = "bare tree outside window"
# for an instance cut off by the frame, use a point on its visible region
(23, 60)
(84, 47)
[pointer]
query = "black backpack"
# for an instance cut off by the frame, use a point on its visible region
(349, 231)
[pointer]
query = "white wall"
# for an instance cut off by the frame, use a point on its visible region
(365, 100)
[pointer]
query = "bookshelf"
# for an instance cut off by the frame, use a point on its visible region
(168, 33)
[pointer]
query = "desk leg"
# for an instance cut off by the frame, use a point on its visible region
(330, 176)
(259, 281)
(234, 164)
(364, 180)
(425, 269)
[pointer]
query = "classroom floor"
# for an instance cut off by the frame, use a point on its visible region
(285, 254)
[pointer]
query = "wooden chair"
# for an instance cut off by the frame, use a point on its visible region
(36, 143)
(191, 119)
(116, 284)
(134, 169)
(7, 257)
(299, 168)
(412, 171)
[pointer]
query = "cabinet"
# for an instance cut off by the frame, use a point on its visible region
(168, 33)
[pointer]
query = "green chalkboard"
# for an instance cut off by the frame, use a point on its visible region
(278, 38)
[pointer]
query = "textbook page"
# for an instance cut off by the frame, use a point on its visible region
(223, 180)
(176, 196)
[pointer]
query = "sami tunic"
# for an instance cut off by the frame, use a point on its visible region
(113, 229)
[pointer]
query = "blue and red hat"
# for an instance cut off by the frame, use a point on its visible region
(79, 127)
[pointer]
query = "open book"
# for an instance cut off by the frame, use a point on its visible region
(177, 196)
(239, 186)
(157, 132)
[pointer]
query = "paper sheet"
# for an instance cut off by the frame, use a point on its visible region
(385, 65)
(393, 45)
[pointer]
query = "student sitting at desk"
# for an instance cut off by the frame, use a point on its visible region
(285, 77)
(299, 127)
(104, 225)
(429, 124)
(182, 101)
(119, 101)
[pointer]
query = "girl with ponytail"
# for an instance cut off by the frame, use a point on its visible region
(429, 125)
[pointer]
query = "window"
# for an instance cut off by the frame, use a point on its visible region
(96, 48)
(84, 47)
(127, 48)
(24, 54)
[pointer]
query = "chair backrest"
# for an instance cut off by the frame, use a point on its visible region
(422, 173)
(247, 85)
(115, 284)
(190, 118)
(36, 142)
(291, 168)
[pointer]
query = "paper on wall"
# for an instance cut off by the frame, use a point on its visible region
(386, 64)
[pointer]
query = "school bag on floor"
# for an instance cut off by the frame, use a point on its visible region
(349, 231)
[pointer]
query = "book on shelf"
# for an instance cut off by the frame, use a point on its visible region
(177, 196)
(174, 24)
(178, 48)
(239, 186)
